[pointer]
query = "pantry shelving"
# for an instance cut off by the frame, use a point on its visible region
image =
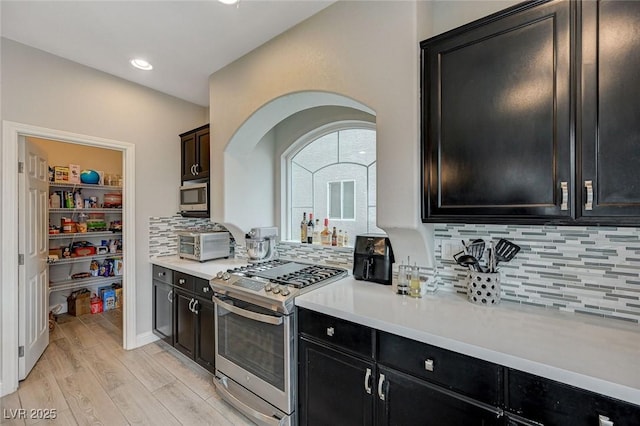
(102, 238)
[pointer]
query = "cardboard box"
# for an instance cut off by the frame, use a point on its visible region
(118, 297)
(79, 302)
(108, 296)
(74, 173)
(60, 174)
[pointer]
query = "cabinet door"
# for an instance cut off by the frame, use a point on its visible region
(205, 334)
(554, 403)
(332, 387)
(163, 297)
(203, 154)
(496, 118)
(609, 105)
(189, 156)
(184, 324)
(411, 401)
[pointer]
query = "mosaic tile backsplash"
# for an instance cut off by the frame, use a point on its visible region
(163, 242)
(586, 270)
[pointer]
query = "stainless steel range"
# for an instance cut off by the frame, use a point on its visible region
(256, 335)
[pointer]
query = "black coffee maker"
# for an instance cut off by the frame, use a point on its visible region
(373, 258)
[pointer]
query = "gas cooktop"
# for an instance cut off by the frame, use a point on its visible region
(275, 282)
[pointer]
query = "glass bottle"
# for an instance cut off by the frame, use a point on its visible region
(316, 232)
(310, 229)
(414, 284)
(345, 241)
(303, 228)
(334, 237)
(340, 238)
(325, 235)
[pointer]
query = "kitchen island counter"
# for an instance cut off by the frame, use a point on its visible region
(596, 354)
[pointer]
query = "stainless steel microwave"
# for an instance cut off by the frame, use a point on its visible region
(194, 198)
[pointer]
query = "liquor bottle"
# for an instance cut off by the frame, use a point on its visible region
(316, 232)
(310, 229)
(340, 238)
(325, 235)
(334, 237)
(345, 242)
(303, 228)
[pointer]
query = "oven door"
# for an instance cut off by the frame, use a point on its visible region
(188, 246)
(254, 348)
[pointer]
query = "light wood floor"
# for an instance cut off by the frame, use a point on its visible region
(88, 378)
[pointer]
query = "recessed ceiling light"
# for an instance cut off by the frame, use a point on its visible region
(228, 1)
(362, 152)
(141, 64)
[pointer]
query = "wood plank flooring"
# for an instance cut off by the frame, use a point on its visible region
(88, 379)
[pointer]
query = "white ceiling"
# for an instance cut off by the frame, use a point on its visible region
(185, 41)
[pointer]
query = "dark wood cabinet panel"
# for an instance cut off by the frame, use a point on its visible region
(554, 403)
(496, 101)
(205, 334)
(610, 110)
(184, 323)
(332, 387)
(469, 376)
(410, 401)
(163, 310)
(195, 155)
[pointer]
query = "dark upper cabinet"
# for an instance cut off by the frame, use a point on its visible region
(496, 102)
(195, 153)
(609, 115)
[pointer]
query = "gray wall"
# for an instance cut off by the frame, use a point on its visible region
(47, 91)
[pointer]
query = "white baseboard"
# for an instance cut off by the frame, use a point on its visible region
(146, 338)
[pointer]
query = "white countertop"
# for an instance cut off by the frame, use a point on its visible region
(206, 270)
(600, 355)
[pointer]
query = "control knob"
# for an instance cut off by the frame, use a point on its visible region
(226, 276)
(285, 292)
(276, 290)
(219, 275)
(268, 287)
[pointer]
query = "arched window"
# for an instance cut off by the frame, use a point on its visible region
(331, 172)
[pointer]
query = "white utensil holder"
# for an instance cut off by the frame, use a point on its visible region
(483, 288)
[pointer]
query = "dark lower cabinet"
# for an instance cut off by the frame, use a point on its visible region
(183, 314)
(411, 401)
(552, 403)
(163, 310)
(205, 348)
(185, 324)
(334, 388)
(398, 381)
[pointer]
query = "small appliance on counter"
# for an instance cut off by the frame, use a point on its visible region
(261, 244)
(373, 259)
(203, 244)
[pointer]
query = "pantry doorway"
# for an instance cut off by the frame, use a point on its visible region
(15, 134)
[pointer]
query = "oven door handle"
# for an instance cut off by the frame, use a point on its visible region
(248, 314)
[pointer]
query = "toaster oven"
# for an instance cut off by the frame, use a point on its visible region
(204, 245)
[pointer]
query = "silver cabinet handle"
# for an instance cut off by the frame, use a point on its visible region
(428, 365)
(330, 331)
(170, 296)
(564, 187)
(367, 381)
(380, 383)
(162, 274)
(205, 289)
(604, 421)
(181, 281)
(195, 307)
(588, 205)
(191, 304)
(196, 167)
(193, 169)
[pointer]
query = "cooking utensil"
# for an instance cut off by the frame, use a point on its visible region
(505, 250)
(469, 261)
(476, 249)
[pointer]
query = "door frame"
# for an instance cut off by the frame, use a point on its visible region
(12, 133)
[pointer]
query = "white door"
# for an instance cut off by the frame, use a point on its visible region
(33, 281)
